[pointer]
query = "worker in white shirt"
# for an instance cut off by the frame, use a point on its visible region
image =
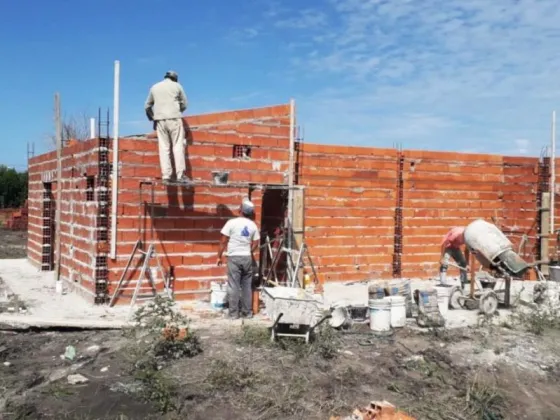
(240, 237)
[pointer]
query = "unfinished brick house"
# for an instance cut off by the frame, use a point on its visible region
(368, 212)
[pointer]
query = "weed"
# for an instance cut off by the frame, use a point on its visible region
(57, 390)
(539, 319)
(484, 399)
(160, 335)
(326, 344)
(156, 387)
(253, 336)
(280, 402)
(228, 376)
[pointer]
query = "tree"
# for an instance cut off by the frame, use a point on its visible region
(13, 187)
(74, 127)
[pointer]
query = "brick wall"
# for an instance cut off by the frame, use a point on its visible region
(350, 203)
(352, 195)
(186, 221)
(369, 213)
(83, 195)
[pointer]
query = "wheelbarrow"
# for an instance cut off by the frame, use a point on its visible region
(294, 312)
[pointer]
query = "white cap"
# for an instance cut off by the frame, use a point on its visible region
(247, 207)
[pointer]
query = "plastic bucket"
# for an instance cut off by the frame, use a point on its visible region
(339, 317)
(554, 271)
(380, 314)
(376, 291)
(399, 288)
(443, 299)
(218, 295)
(398, 311)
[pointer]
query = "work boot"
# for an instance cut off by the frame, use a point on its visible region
(166, 181)
(247, 316)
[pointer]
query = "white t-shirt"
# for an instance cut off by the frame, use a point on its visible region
(241, 233)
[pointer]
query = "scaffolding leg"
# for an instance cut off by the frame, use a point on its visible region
(123, 276)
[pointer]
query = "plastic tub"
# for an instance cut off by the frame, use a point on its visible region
(380, 314)
(398, 311)
(443, 299)
(218, 295)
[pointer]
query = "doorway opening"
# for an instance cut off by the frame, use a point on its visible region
(274, 212)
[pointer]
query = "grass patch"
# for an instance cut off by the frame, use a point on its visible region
(485, 400)
(326, 342)
(253, 336)
(231, 376)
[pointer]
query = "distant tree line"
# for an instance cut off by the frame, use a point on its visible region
(13, 187)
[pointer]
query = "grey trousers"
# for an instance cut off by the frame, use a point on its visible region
(459, 258)
(240, 280)
(171, 140)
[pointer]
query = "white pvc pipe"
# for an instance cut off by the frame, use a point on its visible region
(92, 128)
(291, 177)
(552, 172)
(115, 181)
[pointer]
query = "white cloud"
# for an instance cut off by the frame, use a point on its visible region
(304, 19)
(242, 36)
(458, 74)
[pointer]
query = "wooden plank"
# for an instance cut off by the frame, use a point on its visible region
(298, 223)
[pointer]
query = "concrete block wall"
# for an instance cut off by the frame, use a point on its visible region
(350, 201)
(187, 220)
(81, 198)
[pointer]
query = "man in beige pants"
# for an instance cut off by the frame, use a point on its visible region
(165, 106)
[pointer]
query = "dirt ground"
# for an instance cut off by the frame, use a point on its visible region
(463, 374)
(13, 243)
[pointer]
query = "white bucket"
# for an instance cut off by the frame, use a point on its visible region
(398, 311)
(380, 314)
(339, 317)
(443, 299)
(218, 295)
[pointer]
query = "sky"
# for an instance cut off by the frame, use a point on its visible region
(459, 75)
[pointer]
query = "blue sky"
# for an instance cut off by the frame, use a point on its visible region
(463, 75)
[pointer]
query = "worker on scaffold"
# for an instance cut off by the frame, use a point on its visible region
(240, 236)
(165, 106)
(451, 247)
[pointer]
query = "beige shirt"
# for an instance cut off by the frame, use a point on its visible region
(166, 100)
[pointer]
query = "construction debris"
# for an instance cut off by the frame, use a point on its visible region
(77, 379)
(377, 410)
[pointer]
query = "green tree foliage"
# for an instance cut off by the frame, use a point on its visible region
(13, 187)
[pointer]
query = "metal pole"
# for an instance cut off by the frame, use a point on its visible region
(58, 135)
(115, 181)
(552, 173)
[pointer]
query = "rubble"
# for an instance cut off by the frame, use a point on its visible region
(77, 379)
(377, 410)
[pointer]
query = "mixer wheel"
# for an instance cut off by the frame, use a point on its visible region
(488, 303)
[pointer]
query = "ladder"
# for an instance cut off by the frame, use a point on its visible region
(145, 275)
(300, 263)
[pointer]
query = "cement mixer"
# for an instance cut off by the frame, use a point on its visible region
(495, 253)
(493, 249)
